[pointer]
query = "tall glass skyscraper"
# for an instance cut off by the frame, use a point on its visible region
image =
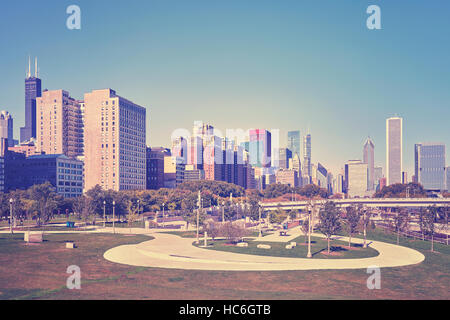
(394, 150)
(307, 170)
(260, 148)
(33, 90)
(430, 165)
(369, 158)
(294, 142)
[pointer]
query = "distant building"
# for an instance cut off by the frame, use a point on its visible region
(33, 90)
(155, 167)
(192, 174)
(115, 142)
(59, 125)
(356, 178)
(429, 160)
(322, 176)
(394, 150)
(260, 148)
(448, 179)
(288, 177)
(383, 183)
(307, 166)
(28, 148)
(294, 141)
(63, 173)
(369, 158)
(173, 171)
(378, 174)
(285, 156)
(6, 127)
(404, 177)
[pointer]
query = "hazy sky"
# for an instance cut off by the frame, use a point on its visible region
(246, 63)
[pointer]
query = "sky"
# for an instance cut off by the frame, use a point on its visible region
(285, 64)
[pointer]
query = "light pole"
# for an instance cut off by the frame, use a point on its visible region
(309, 255)
(259, 225)
(114, 217)
(10, 215)
(365, 226)
(104, 214)
(198, 213)
(223, 211)
(164, 225)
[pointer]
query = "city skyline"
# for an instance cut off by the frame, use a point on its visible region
(272, 95)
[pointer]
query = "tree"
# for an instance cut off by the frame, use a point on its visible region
(213, 229)
(400, 223)
(133, 214)
(426, 222)
(329, 220)
(46, 201)
(352, 219)
(84, 208)
(233, 232)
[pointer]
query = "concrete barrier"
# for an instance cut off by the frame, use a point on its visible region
(33, 237)
(293, 244)
(263, 246)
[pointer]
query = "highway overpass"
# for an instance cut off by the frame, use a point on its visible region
(368, 202)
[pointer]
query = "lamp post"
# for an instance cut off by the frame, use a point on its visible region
(198, 213)
(114, 217)
(309, 255)
(164, 225)
(10, 215)
(259, 225)
(104, 214)
(365, 227)
(223, 211)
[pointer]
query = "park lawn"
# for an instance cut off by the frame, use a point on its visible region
(39, 272)
(338, 249)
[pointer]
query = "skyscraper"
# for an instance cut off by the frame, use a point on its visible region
(394, 150)
(369, 158)
(355, 178)
(307, 169)
(429, 160)
(285, 156)
(115, 150)
(6, 127)
(294, 142)
(59, 124)
(260, 148)
(33, 90)
(322, 176)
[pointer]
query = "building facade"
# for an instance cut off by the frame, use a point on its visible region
(59, 124)
(260, 148)
(355, 178)
(6, 127)
(394, 150)
(307, 167)
(33, 90)
(294, 142)
(369, 158)
(155, 167)
(429, 160)
(115, 142)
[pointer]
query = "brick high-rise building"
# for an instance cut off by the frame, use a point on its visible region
(115, 136)
(59, 124)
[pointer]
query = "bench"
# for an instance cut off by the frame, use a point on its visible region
(283, 233)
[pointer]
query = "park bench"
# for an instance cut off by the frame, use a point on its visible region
(283, 233)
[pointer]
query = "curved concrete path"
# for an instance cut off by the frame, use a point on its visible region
(174, 252)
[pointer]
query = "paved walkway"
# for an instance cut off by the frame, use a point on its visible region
(174, 252)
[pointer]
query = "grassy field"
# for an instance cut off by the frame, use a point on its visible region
(338, 249)
(39, 272)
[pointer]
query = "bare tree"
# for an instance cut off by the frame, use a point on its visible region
(305, 229)
(426, 222)
(351, 219)
(400, 223)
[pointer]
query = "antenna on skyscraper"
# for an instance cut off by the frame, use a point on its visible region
(29, 67)
(36, 67)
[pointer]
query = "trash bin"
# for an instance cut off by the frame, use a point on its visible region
(70, 224)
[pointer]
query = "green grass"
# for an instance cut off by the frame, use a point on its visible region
(278, 249)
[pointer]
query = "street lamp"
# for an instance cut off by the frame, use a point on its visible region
(309, 255)
(198, 212)
(163, 224)
(114, 217)
(104, 214)
(259, 225)
(10, 215)
(223, 211)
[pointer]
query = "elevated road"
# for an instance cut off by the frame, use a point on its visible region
(368, 202)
